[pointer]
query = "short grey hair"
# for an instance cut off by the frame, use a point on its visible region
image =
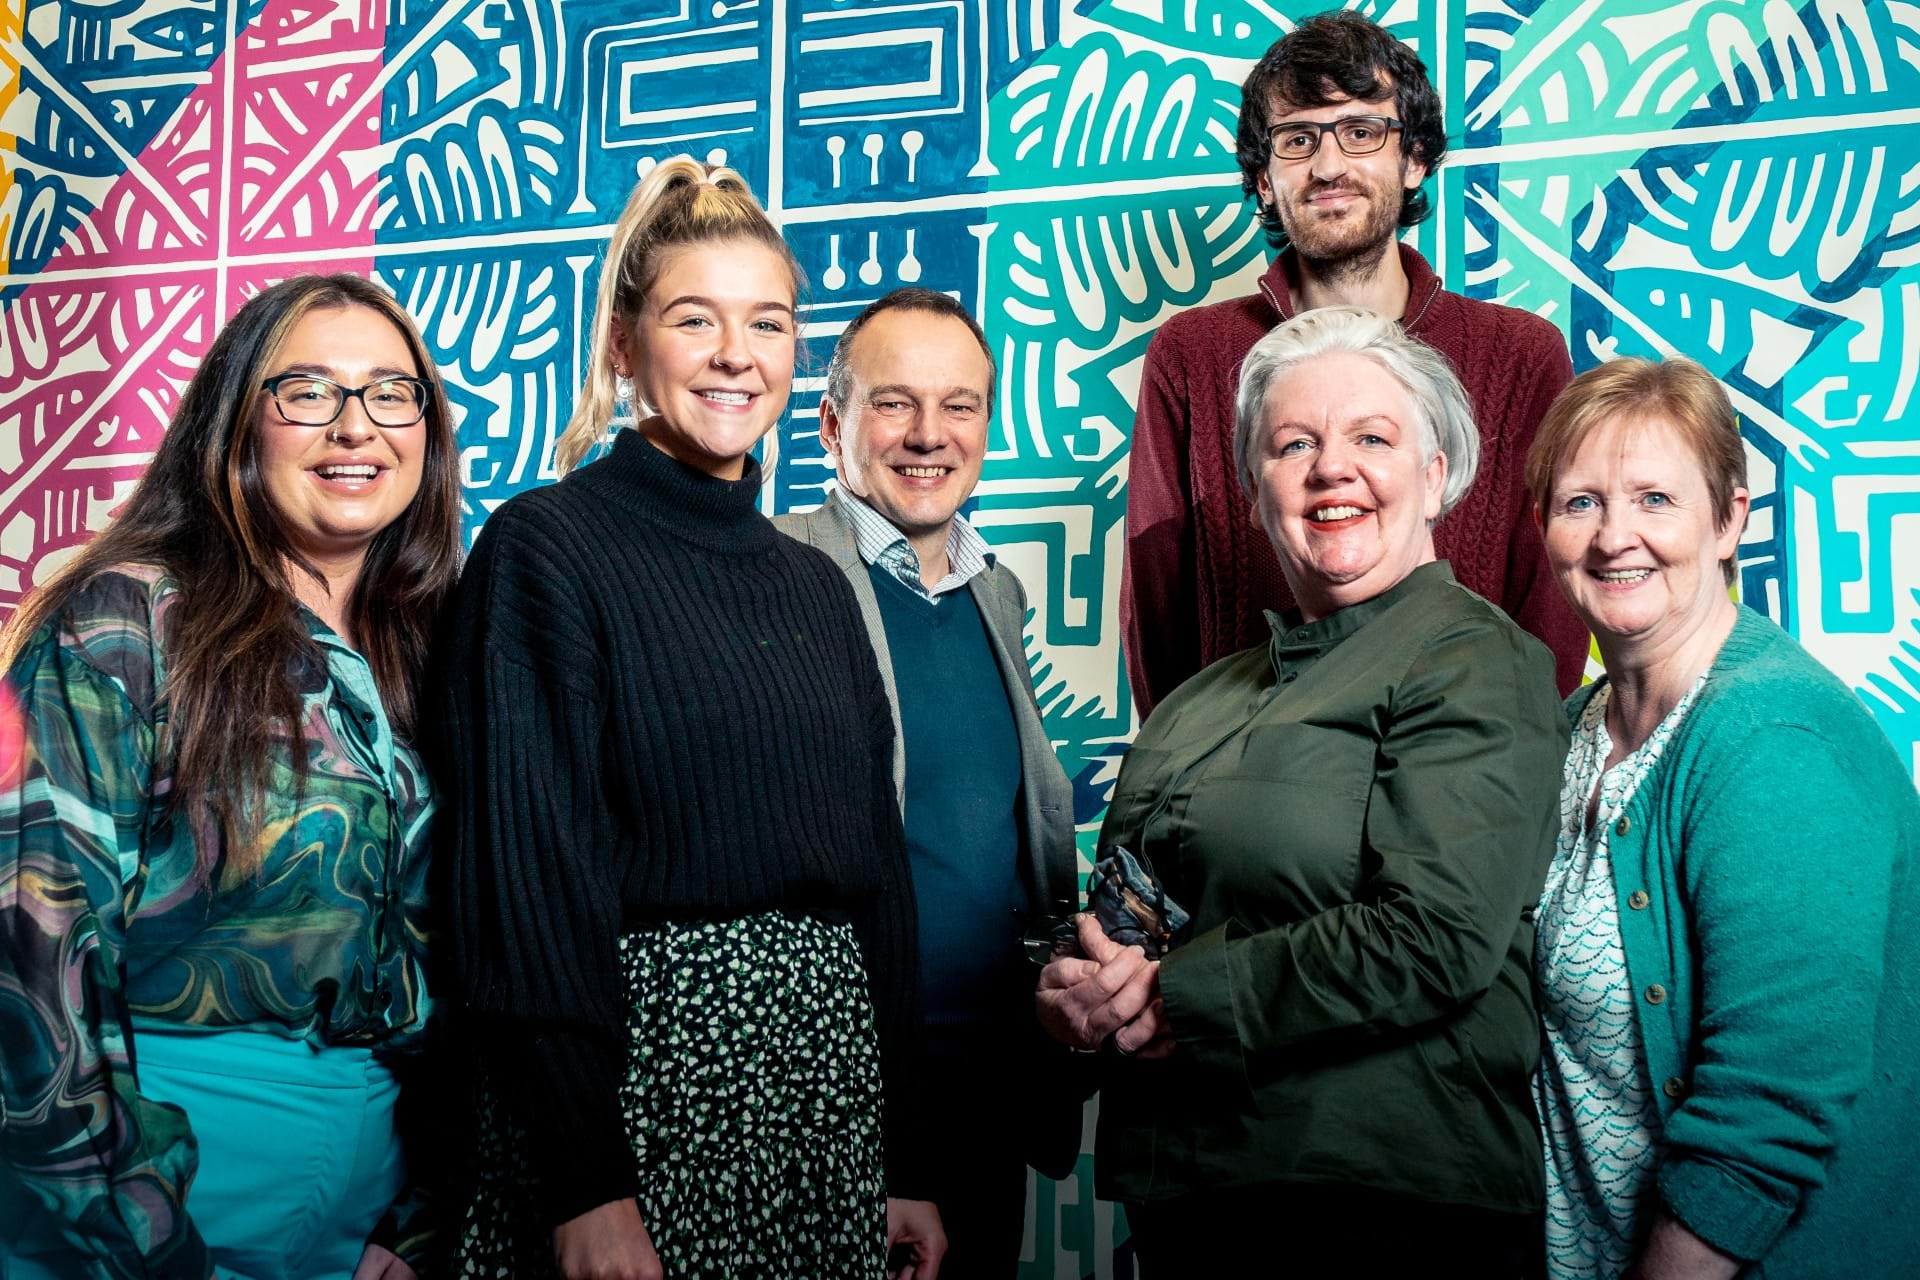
(1446, 416)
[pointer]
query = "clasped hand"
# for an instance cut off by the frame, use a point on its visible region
(1114, 991)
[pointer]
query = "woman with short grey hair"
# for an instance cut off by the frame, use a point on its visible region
(1331, 1068)
(1439, 401)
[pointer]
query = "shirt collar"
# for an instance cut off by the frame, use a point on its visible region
(881, 543)
(1293, 636)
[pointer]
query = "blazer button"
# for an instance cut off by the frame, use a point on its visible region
(1656, 994)
(1623, 826)
(1638, 899)
(1674, 1087)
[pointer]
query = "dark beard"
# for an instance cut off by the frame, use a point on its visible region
(1358, 265)
(1353, 261)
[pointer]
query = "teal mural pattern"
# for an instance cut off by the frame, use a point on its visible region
(1735, 180)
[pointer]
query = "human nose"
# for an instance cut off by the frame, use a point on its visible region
(926, 429)
(1332, 462)
(1616, 533)
(1328, 160)
(732, 354)
(353, 424)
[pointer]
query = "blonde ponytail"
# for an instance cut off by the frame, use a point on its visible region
(680, 202)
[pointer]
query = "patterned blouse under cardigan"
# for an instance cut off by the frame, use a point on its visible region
(114, 911)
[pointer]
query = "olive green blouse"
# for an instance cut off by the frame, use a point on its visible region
(1359, 816)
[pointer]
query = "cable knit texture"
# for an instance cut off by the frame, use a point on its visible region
(656, 708)
(1200, 574)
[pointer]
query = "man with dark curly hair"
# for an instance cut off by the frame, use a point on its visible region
(1339, 127)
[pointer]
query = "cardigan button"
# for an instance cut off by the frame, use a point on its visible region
(1656, 994)
(1623, 826)
(1674, 1087)
(1638, 899)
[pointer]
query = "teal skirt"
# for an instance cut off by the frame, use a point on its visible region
(752, 1101)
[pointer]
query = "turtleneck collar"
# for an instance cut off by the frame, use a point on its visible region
(703, 509)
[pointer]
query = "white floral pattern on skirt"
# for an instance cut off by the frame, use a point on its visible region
(752, 1100)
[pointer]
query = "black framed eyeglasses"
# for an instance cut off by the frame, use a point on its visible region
(309, 400)
(1357, 136)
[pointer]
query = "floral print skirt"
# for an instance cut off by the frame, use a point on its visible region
(752, 1100)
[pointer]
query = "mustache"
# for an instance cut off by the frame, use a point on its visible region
(1333, 188)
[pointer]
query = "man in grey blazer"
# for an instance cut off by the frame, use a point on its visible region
(987, 808)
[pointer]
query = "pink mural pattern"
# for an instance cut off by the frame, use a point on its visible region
(270, 166)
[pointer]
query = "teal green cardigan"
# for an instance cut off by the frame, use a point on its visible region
(1770, 915)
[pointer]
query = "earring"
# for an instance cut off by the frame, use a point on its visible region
(622, 398)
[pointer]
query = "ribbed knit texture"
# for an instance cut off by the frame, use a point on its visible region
(1199, 572)
(655, 707)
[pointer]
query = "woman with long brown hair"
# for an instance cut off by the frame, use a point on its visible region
(681, 907)
(212, 852)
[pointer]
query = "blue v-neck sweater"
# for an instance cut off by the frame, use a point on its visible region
(962, 797)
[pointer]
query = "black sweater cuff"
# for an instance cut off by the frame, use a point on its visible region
(565, 1087)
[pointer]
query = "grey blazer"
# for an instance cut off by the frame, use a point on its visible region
(1046, 795)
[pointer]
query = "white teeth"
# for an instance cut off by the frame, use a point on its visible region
(923, 473)
(358, 472)
(726, 397)
(1334, 513)
(1623, 575)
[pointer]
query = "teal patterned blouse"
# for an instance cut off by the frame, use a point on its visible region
(115, 911)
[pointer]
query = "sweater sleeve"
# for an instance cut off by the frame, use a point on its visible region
(104, 1165)
(887, 928)
(1159, 611)
(1454, 843)
(1788, 872)
(1532, 598)
(535, 897)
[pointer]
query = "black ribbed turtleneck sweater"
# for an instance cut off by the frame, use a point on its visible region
(655, 706)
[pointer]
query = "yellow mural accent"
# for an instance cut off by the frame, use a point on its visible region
(13, 17)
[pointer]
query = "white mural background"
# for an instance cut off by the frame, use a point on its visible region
(1735, 180)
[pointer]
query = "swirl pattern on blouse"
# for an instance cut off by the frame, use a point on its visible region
(115, 910)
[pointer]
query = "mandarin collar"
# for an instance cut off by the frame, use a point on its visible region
(1294, 637)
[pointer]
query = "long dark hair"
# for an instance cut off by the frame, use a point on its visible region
(203, 515)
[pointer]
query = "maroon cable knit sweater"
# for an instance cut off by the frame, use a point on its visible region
(1199, 572)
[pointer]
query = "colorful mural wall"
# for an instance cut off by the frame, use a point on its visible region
(1736, 181)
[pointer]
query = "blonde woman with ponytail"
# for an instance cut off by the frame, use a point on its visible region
(681, 912)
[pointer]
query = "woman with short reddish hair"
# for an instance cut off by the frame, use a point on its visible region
(1724, 959)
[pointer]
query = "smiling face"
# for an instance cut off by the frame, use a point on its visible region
(335, 487)
(1335, 206)
(1631, 535)
(711, 352)
(1340, 483)
(913, 436)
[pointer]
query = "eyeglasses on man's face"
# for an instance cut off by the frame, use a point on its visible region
(1357, 136)
(309, 400)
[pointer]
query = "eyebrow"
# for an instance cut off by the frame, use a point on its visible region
(901, 389)
(695, 300)
(377, 374)
(1295, 423)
